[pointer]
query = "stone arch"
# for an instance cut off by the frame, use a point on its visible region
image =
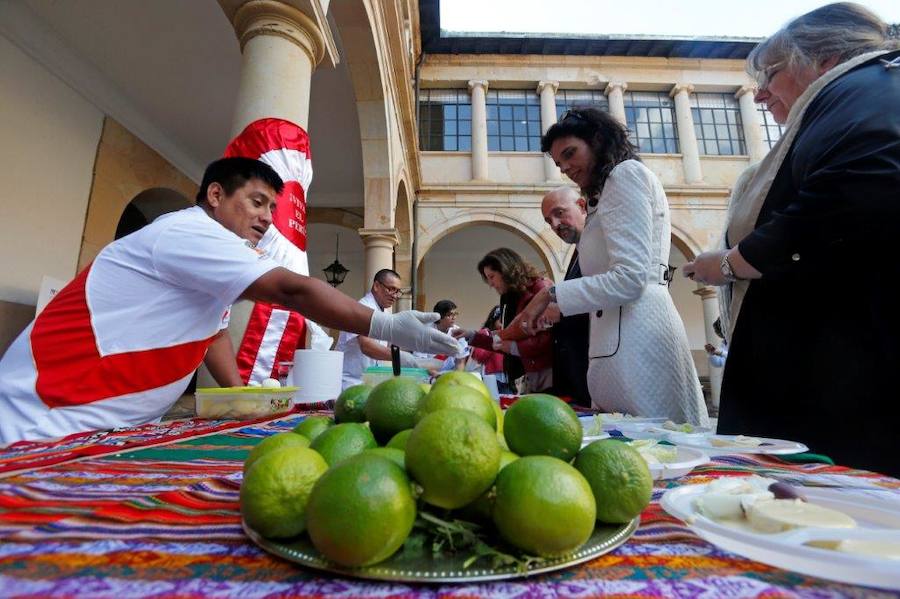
(355, 22)
(685, 243)
(552, 261)
(146, 206)
(403, 219)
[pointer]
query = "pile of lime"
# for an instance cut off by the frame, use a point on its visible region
(397, 452)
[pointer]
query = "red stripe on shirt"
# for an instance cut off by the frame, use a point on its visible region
(70, 369)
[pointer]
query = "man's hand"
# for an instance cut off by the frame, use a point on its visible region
(409, 329)
(460, 333)
(407, 360)
(551, 315)
(529, 317)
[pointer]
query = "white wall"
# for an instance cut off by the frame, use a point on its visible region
(689, 305)
(48, 141)
(320, 253)
(449, 270)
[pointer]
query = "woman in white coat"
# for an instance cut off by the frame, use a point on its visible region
(640, 362)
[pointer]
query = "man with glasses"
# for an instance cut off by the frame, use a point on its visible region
(361, 352)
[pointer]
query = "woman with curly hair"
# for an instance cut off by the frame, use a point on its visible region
(516, 281)
(640, 362)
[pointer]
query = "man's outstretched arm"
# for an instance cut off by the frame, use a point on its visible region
(327, 306)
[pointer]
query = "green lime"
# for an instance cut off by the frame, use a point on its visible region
(619, 478)
(351, 404)
(392, 406)
(313, 426)
(361, 511)
(454, 455)
(399, 440)
(448, 396)
(342, 441)
(273, 443)
(464, 379)
(480, 509)
(276, 488)
(391, 453)
(542, 424)
(543, 506)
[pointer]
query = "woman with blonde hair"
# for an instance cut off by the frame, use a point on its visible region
(807, 267)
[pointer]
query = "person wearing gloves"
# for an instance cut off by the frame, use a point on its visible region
(438, 363)
(117, 346)
(640, 360)
(360, 351)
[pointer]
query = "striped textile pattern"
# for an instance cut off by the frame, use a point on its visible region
(165, 521)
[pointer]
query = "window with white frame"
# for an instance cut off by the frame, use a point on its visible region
(513, 121)
(445, 120)
(566, 99)
(717, 124)
(771, 131)
(651, 122)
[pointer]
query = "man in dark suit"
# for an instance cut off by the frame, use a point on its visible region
(565, 210)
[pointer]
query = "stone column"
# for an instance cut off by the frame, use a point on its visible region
(756, 148)
(547, 91)
(478, 89)
(709, 297)
(690, 151)
(379, 245)
(280, 48)
(615, 92)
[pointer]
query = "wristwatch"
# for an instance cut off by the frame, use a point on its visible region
(552, 292)
(727, 270)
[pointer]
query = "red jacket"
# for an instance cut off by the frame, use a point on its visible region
(491, 360)
(535, 352)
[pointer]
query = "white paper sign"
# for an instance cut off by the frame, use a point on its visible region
(49, 287)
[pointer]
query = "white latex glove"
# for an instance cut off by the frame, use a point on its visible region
(410, 329)
(407, 360)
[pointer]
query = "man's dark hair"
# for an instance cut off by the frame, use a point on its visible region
(444, 307)
(233, 173)
(384, 273)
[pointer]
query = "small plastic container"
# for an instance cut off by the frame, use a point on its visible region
(243, 403)
(376, 374)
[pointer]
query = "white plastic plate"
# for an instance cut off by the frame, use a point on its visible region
(876, 519)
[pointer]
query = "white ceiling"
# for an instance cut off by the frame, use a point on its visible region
(169, 70)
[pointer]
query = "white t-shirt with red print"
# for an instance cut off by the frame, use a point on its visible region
(118, 345)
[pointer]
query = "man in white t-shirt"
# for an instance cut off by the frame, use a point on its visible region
(118, 345)
(361, 352)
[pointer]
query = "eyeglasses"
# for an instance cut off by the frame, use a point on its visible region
(764, 77)
(393, 291)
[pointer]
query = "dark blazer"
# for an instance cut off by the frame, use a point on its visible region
(815, 352)
(570, 350)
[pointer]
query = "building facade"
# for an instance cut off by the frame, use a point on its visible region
(425, 147)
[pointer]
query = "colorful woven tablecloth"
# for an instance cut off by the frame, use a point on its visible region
(165, 521)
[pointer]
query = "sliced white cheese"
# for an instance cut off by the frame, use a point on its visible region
(885, 549)
(778, 515)
(738, 441)
(719, 506)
